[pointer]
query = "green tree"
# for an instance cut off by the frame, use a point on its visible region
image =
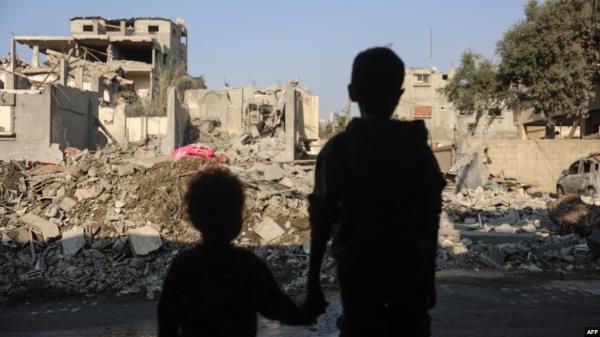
(549, 59)
(475, 89)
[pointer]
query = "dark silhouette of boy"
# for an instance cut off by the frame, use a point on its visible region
(377, 195)
(215, 288)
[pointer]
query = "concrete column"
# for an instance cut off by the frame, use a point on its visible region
(10, 77)
(35, 56)
(96, 84)
(110, 53)
(290, 123)
(79, 77)
(63, 73)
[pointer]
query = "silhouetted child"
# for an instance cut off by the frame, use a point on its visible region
(377, 196)
(216, 289)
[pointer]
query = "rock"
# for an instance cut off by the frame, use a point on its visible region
(86, 193)
(144, 240)
(254, 131)
(51, 211)
(92, 172)
(287, 182)
(125, 170)
(119, 204)
(47, 229)
(20, 236)
(301, 223)
(447, 244)
(459, 249)
(72, 241)
(529, 228)
(273, 172)
(61, 192)
(494, 258)
(67, 204)
(505, 228)
(268, 229)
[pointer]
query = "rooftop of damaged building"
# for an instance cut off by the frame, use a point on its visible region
(125, 19)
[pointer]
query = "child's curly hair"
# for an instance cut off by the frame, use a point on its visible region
(214, 203)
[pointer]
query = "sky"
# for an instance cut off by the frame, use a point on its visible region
(273, 41)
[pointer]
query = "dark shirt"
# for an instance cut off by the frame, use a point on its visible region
(210, 291)
(378, 195)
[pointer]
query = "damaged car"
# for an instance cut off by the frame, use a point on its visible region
(582, 177)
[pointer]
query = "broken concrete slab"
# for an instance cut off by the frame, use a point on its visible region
(496, 237)
(86, 193)
(125, 170)
(144, 240)
(47, 229)
(67, 204)
(73, 240)
(505, 228)
(488, 261)
(51, 211)
(268, 229)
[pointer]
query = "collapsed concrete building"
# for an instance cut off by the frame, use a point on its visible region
(117, 65)
(136, 48)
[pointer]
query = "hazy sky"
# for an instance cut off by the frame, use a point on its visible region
(273, 41)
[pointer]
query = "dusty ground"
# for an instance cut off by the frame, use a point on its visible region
(469, 304)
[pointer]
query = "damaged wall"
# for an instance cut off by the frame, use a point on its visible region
(225, 105)
(537, 162)
(177, 122)
(73, 117)
(47, 121)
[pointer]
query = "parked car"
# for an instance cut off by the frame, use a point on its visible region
(582, 177)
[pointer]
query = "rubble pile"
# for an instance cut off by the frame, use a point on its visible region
(112, 220)
(512, 230)
(249, 147)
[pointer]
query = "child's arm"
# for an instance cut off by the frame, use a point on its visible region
(272, 302)
(169, 304)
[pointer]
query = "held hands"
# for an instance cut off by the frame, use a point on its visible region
(314, 304)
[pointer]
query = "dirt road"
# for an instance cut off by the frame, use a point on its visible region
(469, 304)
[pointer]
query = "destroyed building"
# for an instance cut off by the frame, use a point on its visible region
(423, 100)
(119, 64)
(137, 48)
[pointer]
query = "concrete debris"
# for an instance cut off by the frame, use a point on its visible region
(125, 170)
(119, 213)
(67, 204)
(144, 240)
(268, 229)
(501, 226)
(273, 172)
(47, 229)
(72, 241)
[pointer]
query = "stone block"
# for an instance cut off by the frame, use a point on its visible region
(268, 229)
(144, 240)
(125, 170)
(47, 229)
(67, 204)
(73, 240)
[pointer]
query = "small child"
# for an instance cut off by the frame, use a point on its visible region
(216, 289)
